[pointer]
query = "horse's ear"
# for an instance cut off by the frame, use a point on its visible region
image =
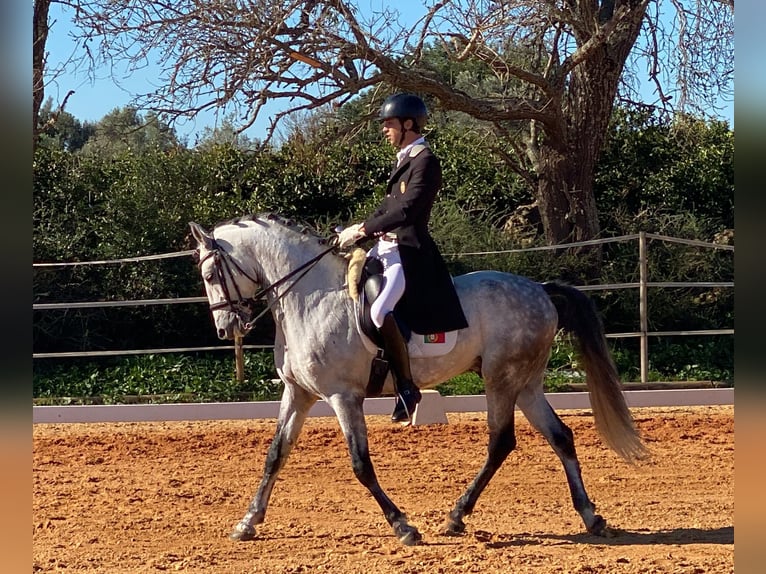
(202, 236)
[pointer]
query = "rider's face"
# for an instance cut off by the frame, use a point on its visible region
(394, 131)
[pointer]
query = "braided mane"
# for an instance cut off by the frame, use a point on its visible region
(271, 217)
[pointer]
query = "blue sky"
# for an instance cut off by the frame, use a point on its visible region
(95, 97)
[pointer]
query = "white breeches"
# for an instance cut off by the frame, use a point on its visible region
(393, 286)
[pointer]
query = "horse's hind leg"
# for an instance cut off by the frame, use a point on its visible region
(350, 414)
(293, 410)
(541, 415)
(502, 441)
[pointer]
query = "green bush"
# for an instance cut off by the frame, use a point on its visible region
(465, 384)
(157, 378)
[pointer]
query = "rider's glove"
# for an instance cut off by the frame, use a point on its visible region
(350, 235)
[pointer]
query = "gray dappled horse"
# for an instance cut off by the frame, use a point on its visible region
(319, 353)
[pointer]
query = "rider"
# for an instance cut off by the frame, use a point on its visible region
(417, 281)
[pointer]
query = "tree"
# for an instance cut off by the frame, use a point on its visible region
(224, 134)
(557, 68)
(650, 167)
(124, 129)
(39, 38)
(61, 130)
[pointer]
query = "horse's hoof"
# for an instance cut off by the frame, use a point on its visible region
(410, 538)
(407, 535)
(599, 527)
(609, 532)
(453, 528)
(242, 533)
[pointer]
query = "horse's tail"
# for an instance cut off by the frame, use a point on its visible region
(577, 315)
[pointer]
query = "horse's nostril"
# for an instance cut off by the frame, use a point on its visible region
(221, 333)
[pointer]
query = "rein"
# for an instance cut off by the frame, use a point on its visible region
(224, 261)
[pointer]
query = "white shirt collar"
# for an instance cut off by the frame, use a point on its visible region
(402, 153)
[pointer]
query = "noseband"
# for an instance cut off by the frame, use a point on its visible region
(242, 307)
(223, 263)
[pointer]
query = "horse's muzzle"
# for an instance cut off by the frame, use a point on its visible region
(232, 324)
(227, 331)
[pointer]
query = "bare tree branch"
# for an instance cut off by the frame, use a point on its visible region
(555, 68)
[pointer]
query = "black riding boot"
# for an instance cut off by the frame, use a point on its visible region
(407, 394)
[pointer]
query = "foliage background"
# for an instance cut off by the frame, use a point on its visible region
(110, 191)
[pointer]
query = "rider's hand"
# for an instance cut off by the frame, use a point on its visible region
(350, 235)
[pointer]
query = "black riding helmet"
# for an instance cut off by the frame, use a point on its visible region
(405, 107)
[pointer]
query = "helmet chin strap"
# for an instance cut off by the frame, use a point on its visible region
(404, 131)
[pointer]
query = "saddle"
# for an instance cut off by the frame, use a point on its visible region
(365, 283)
(371, 283)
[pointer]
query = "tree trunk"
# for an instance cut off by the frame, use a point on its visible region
(568, 208)
(565, 196)
(39, 40)
(566, 159)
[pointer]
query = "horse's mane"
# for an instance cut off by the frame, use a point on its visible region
(268, 218)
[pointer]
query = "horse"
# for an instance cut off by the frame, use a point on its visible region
(319, 354)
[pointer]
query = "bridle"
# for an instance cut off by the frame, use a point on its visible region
(242, 307)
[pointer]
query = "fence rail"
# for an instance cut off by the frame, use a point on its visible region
(643, 285)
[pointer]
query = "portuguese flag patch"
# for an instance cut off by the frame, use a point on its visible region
(435, 338)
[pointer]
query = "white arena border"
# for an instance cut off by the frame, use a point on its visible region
(432, 409)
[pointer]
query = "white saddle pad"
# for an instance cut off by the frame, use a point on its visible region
(431, 345)
(419, 346)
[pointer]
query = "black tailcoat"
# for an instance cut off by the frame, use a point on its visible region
(430, 303)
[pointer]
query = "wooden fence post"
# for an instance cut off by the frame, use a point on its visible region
(239, 358)
(643, 307)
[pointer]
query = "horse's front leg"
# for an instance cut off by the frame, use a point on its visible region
(350, 414)
(293, 410)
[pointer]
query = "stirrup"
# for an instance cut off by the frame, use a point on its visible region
(406, 402)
